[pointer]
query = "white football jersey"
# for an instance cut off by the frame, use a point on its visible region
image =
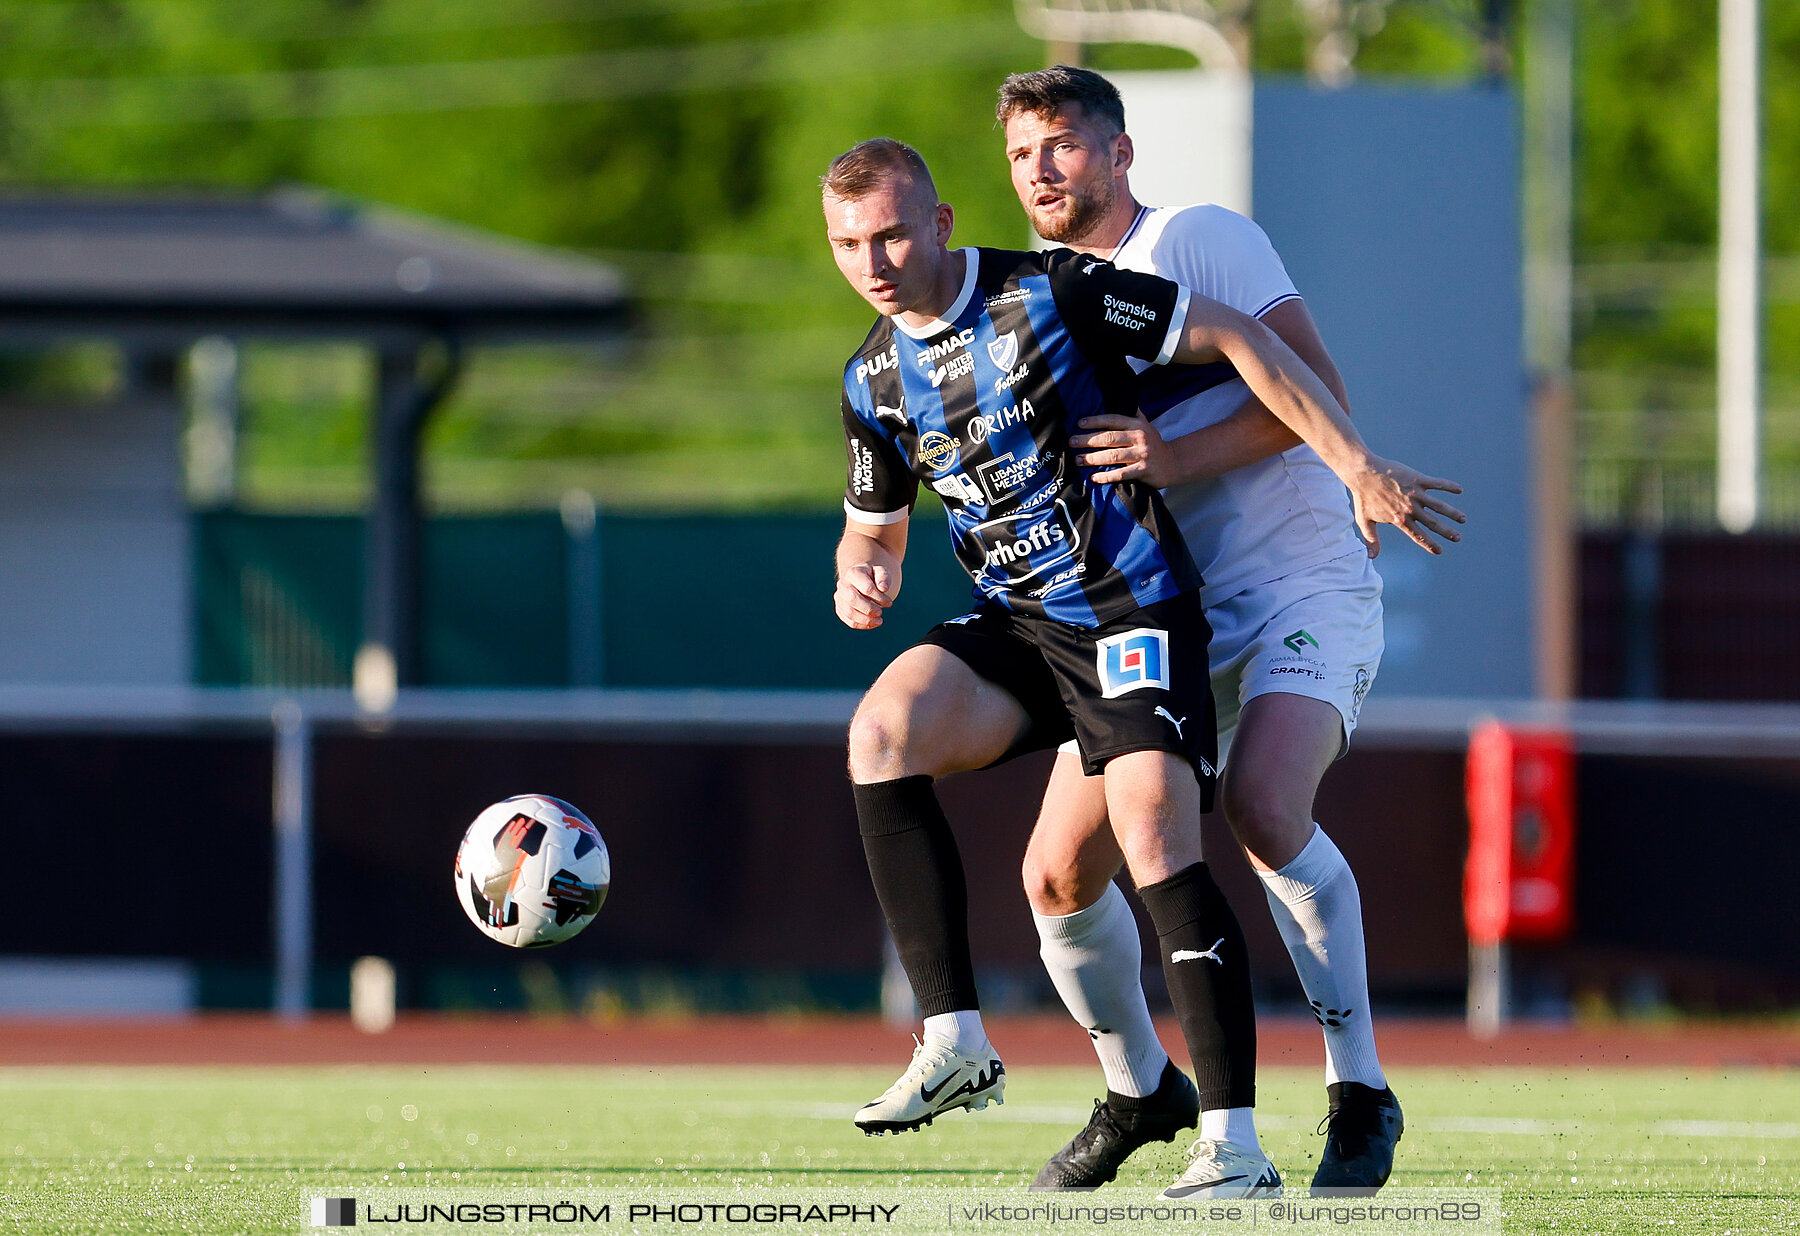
(1266, 519)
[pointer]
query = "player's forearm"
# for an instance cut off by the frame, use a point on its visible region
(1294, 323)
(1249, 435)
(871, 545)
(1287, 388)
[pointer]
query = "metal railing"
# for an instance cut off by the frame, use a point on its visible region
(1677, 494)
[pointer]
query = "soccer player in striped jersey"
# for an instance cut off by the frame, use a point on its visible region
(1294, 603)
(1087, 623)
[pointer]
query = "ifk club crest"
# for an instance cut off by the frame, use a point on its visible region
(1004, 351)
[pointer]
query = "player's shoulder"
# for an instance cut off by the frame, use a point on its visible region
(1203, 228)
(997, 268)
(877, 353)
(1068, 267)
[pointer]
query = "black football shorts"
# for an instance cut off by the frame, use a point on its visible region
(1137, 683)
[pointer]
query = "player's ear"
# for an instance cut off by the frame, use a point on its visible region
(1123, 154)
(945, 219)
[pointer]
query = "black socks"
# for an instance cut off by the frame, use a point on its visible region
(1208, 971)
(918, 877)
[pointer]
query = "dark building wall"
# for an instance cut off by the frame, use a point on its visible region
(1711, 616)
(738, 857)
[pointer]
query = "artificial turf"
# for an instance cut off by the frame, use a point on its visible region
(243, 1149)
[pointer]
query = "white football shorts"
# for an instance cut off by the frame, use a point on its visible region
(1315, 633)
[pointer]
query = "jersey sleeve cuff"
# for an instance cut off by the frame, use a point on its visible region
(1283, 299)
(1177, 324)
(877, 518)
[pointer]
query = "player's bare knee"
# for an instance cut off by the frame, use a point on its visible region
(1265, 820)
(879, 736)
(1053, 888)
(1150, 853)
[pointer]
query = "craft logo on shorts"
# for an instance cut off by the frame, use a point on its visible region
(1133, 661)
(1004, 351)
(937, 449)
(334, 1212)
(1021, 547)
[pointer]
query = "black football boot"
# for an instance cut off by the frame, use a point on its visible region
(1119, 1126)
(1361, 1128)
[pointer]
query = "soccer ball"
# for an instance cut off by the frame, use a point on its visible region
(532, 871)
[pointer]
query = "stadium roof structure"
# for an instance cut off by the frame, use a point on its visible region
(293, 261)
(157, 272)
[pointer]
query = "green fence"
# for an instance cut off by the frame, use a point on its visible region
(519, 601)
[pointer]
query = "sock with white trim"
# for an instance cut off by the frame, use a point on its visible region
(961, 1029)
(1318, 911)
(1096, 963)
(1236, 1125)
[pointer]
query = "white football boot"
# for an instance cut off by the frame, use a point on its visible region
(1225, 1169)
(939, 1079)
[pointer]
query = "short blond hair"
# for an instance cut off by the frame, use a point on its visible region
(866, 166)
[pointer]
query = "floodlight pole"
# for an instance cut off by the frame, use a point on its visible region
(1740, 261)
(1548, 79)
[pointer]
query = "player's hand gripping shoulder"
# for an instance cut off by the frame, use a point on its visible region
(1382, 491)
(868, 572)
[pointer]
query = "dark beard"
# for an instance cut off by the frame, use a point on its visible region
(1086, 210)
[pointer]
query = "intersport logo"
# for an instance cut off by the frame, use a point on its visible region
(957, 366)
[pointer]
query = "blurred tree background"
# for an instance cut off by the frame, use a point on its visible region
(681, 141)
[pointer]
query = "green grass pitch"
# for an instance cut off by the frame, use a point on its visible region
(177, 1150)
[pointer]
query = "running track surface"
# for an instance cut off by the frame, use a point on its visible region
(440, 1039)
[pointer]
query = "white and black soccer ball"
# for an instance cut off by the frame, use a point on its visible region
(532, 871)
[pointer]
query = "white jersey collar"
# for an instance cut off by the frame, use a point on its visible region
(971, 268)
(1136, 223)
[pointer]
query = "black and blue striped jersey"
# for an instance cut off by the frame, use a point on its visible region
(979, 405)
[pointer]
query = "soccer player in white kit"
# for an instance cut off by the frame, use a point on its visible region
(1295, 606)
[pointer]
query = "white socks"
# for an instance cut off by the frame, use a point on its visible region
(1236, 1125)
(961, 1029)
(1096, 963)
(1319, 914)
(1094, 960)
